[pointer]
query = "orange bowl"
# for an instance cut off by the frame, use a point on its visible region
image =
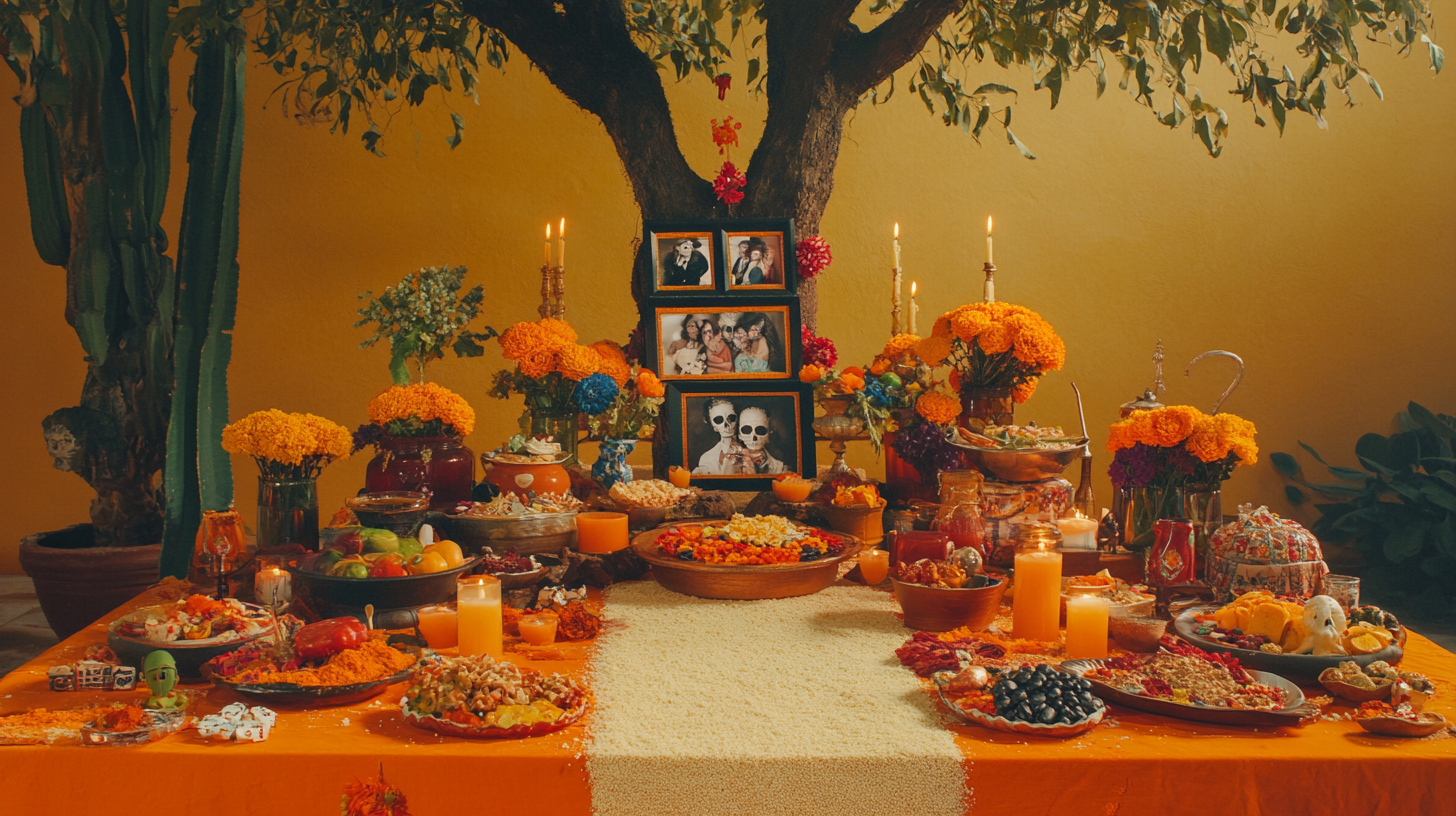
(793, 490)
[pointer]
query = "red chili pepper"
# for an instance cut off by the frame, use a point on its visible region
(319, 641)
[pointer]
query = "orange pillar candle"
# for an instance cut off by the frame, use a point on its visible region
(1087, 626)
(478, 611)
(874, 565)
(601, 532)
(680, 477)
(538, 630)
(1037, 604)
(439, 626)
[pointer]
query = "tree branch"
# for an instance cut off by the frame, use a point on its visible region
(870, 57)
(587, 52)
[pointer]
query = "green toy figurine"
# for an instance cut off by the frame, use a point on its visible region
(159, 670)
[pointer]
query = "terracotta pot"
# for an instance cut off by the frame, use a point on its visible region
(865, 523)
(511, 477)
(76, 583)
(941, 609)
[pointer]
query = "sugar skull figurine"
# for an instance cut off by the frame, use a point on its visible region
(1325, 621)
(159, 670)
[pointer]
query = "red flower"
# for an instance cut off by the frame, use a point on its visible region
(729, 184)
(723, 81)
(819, 351)
(813, 256)
(726, 134)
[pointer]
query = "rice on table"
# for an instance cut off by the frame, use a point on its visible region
(763, 707)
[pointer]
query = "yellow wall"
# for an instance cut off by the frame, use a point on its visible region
(1325, 259)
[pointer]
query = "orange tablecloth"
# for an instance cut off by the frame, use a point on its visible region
(1134, 764)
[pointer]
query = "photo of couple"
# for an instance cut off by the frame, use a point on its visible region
(722, 344)
(755, 260)
(741, 434)
(684, 260)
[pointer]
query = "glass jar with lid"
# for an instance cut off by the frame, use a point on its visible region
(960, 518)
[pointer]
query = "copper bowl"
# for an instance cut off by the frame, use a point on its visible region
(734, 582)
(941, 609)
(1018, 465)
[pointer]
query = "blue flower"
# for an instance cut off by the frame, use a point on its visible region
(594, 394)
(875, 393)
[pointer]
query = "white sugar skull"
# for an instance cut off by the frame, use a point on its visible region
(723, 418)
(753, 428)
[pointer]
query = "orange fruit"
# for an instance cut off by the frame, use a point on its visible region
(450, 551)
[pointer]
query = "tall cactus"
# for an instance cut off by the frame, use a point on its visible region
(97, 159)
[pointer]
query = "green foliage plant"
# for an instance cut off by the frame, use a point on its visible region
(422, 316)
(1398, 509)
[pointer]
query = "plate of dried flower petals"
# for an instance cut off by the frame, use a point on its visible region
(745, 558)
(479, 697)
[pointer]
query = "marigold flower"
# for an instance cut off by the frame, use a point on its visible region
(560, 328)
(970, 324)
(424, 401)
(995, 338)
(287, 439)
(938, 407)
(899, 344)
(618, 369)
(538, 362)
(609, 350)
(1023, 391)
(880, 366)
(648, 385)
(850, 382)
(934, 349)
(954, 380)
(811, 373)
(578, 362)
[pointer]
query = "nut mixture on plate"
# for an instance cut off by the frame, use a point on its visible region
(648, 493)
(482, 691)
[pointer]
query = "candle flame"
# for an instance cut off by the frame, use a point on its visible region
(897, 229)
(1078, 514)
(548, 232)
(913, 284)
(988, 225)
(562, 231)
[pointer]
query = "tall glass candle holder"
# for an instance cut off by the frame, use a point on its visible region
(478, 612)
(1037, 604)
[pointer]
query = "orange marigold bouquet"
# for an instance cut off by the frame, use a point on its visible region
(1177, 445)
(416, 410)
(288, 446)
(554, 371)
(994, 345)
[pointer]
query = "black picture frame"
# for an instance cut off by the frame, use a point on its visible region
(778, 233)
(658, 235)
(788, 408)
(792, 338)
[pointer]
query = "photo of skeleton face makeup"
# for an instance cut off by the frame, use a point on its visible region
(736, 435)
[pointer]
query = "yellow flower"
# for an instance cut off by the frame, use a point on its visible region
(527, 337)
(969, 324)
(938, 407)
(288, 439)
(425, 401)
(811, 373)
(648, 385)
(934, 349)
(1214, 437)
(1023, 391)
(899, 344)
(1171, 425)
(578, 362)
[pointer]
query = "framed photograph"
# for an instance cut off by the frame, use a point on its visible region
(726, 340)
(758, 256)
(684, 258)
(740, 435)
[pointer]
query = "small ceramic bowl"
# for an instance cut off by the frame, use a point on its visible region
(1137, 633)
(1354, 693)
(1423, 725)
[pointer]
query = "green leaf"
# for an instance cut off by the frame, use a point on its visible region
(1404, 542)
(1439, 497)
(467, 347)
(1312, 452)
(454, 139)
(1348, 474)
(1438, 57)
(1284, 463)
(992, 87)
(753, 68)
(1294, 494)
(1428, 420)
(1374, 447)
(1216, 33)
(1277, 106)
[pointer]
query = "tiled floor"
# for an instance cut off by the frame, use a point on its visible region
(24, 632)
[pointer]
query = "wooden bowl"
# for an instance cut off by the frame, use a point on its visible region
(941, 609)
(740, 583)
(865, 523)
(1137, 633)
(1354, 693)
(1423, 726)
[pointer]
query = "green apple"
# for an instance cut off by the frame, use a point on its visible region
(379, 541)
(410, 547)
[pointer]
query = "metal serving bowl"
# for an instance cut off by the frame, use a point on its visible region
(1018, 465)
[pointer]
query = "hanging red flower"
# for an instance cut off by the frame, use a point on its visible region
(723, 81)
(819, 351)
(729, 184)
(813, 256)
(726, 134)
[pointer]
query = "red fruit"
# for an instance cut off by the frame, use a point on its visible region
(319, 641)
(390, 566)
(348, 543)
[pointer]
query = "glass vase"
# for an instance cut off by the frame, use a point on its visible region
(439, 465)
(1141, 507)
(611, 466)
(561, 425)
(287, 514)
(992, 406)
(1203, 506)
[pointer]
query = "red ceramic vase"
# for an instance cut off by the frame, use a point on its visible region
(439, 464)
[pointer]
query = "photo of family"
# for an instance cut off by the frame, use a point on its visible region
(683, 260)
(755, 260)
(748, 344)
(741, 434)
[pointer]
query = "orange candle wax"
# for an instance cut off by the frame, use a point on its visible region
(792, 490)
(1037, 604)
(438, 625)
(680, 477)
(601, 532)
(538, 630)
(478, 605)
(874, 565)
(1087, 626)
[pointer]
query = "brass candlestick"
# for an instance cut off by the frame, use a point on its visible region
(553, 292)
(988, 294)
(895, 304)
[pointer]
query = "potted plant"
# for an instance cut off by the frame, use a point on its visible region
(157, 336)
